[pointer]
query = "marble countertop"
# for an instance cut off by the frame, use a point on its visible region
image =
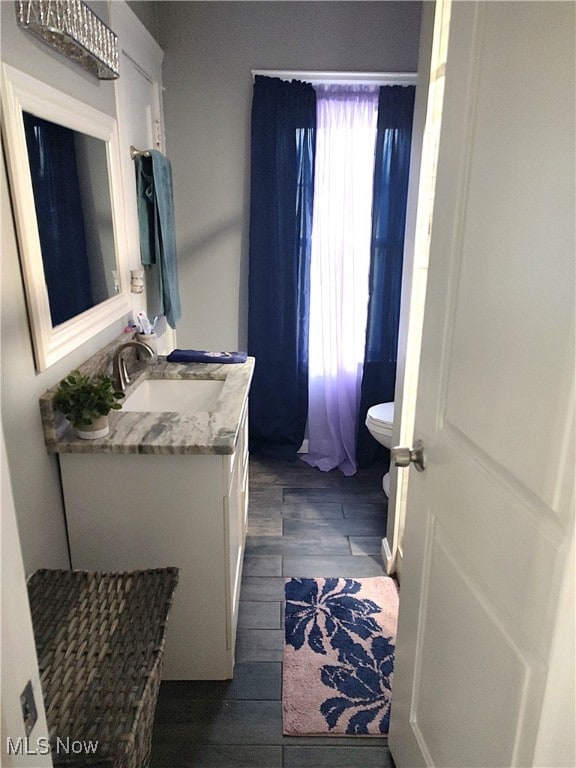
(211, 432)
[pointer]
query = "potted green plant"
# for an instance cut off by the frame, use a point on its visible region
(86, 401)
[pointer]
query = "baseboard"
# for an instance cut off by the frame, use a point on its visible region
(388, 557)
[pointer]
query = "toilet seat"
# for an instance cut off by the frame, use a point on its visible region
(380, 418)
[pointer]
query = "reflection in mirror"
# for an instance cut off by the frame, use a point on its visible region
(65, 180)
(72, 199)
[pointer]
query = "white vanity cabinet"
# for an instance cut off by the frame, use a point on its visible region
(135, 511)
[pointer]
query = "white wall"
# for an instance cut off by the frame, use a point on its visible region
(209, 51)
(18, 660)
(34, 474)
(33, 531)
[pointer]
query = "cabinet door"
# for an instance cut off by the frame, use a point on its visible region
(243, 470)
(236, 514)
(235, 554)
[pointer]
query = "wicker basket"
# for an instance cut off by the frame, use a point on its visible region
(100, 641)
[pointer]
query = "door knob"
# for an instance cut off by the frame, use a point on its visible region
(403, 457)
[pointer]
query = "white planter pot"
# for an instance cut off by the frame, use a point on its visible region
(98, 428)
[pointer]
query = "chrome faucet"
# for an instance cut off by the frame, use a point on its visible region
(119, 369)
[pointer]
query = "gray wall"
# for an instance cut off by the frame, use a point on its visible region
(147, 12)
(210, 49)
(34, 474)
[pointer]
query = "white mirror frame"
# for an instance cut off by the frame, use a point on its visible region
(22, 93)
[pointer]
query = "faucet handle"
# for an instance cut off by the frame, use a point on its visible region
(119, 368)
(125, 377)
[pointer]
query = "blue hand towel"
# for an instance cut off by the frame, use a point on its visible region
(156, 225)
(203, 356)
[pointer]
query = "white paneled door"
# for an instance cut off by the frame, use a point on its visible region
(486, 620)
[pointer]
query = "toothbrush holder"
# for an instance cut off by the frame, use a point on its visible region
(152, 340)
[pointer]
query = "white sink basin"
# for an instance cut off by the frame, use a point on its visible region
(181, 395)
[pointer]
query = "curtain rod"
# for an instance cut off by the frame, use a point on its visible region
(344, 78)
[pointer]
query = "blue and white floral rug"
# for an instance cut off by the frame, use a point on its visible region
(339, 656)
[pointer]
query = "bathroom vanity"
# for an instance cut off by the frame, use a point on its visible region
(169, 487)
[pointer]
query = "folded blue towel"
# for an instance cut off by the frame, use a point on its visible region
(202, 356)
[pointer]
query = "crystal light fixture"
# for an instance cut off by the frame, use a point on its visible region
(72, 28)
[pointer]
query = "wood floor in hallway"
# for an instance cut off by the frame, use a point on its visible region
(302, 523)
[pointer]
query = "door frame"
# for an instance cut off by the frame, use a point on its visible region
(414, 280)
(144, 53)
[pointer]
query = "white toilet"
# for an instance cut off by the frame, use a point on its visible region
(380, 421)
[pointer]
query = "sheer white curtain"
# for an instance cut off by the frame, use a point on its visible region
(340, 263)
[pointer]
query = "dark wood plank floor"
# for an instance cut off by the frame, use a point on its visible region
(302, 523)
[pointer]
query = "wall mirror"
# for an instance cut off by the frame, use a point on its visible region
(64, 167)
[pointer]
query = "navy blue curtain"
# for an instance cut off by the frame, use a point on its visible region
(283, 145)
(52, 158)
(392, 164)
